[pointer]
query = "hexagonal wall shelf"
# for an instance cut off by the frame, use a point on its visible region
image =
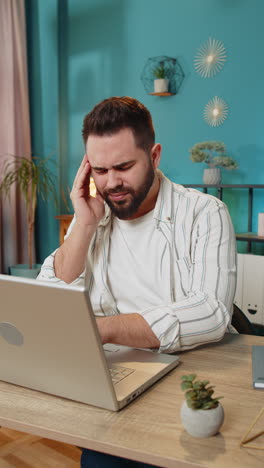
(162, 68)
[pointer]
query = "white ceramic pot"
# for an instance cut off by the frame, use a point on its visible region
(202, 423)
(212, 176)
(25, 271)
(161, 85)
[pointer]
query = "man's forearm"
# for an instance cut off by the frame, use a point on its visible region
(128, 329)
(70, 258)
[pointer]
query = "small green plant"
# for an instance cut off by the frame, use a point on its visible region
(212, 153)
(160, 72)
(198, 394)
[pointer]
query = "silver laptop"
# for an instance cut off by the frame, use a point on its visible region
(49, 342)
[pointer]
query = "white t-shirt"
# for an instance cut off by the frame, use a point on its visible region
(134, 276)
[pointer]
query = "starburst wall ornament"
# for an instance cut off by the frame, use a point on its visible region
(210, 58)
(215, 112)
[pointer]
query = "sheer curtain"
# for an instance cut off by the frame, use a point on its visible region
(14, 125)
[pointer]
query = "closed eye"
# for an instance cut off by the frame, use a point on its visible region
(124, 167)
(119, 168)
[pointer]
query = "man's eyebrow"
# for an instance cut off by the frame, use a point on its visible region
(115, 166)
(98, 168)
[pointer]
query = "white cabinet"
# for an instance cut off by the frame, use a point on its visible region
(250, 286)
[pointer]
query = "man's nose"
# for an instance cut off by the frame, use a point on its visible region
(114, 179)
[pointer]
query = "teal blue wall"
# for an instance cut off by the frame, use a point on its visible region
(102, 48)
(42, 41)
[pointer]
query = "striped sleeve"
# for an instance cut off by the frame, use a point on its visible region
(204, 312)
(47, 272)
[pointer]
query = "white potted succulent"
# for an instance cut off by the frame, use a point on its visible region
(33, 178)
(213, 153)
(202, 415)
(161, 82)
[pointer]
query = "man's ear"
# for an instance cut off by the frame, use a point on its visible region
(156, 155)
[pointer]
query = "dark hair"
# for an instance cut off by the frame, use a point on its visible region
(116, 113)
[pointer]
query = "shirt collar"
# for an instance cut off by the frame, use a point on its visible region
(163, 209)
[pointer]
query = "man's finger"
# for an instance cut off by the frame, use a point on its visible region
(84, 161)
(83, 180)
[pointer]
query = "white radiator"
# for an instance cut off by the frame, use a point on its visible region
(250, 286)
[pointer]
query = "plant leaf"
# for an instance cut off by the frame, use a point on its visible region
(185, 385)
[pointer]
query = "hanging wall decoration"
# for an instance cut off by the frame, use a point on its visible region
(210, 58)
(215, 112)
(162, 76)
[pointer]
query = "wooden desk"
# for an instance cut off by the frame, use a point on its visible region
(149, 429)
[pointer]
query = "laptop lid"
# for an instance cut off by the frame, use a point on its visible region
(49, 342)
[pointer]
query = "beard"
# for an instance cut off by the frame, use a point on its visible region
(124, 209)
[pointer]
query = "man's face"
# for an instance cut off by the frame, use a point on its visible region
(122, 172)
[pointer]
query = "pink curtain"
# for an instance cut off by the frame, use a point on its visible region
(14, 126)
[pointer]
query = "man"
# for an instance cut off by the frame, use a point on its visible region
(159, 259)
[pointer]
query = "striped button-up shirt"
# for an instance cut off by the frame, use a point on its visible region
(200, 278)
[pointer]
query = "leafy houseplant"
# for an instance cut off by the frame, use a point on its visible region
(213, 153)
(201, 413)
(161, 83)
(33, 178)
(160, 71)
(198, 395)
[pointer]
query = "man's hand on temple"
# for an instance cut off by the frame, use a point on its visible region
(70, 258)
(88, 210)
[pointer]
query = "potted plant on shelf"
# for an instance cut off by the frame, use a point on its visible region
(212, 153)
(161, 82)
(201, 414)
(33, 178)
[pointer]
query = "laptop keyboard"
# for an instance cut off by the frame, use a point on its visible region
(119, 373)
